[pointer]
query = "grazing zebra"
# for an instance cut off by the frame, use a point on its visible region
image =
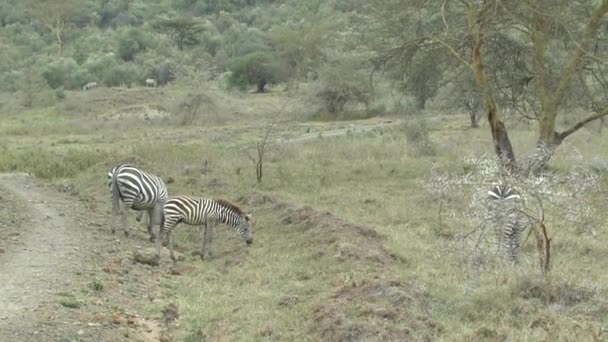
(506, 217)
(89, 86)
(202, 211)
(139, 213)
(137, 190)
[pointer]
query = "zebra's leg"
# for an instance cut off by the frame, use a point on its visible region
(150, 225)
(204, 244)
(155, 219)
(115, 212)
(207, 240)
(139, 215)
(126, 207)
(172, 246)
(164, 232)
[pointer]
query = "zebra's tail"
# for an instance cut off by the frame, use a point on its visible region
(114, 184)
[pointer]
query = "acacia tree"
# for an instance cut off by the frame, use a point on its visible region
(534, 55)
(302, 47)
(54, 15)
(183, 31)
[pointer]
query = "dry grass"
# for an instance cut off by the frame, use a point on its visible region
(372, 267)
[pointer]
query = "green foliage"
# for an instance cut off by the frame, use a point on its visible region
(417, 136)
(344, 82)
(182, 31)
(50, 165)
(64, 72)
(131, 43)
(257, 68)
(60, 93)
(122, 74)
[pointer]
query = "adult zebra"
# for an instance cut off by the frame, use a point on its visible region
(137, 190)
(505, 215)
(206, 212)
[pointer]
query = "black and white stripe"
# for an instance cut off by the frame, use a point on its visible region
(206, 212)
(507, 219)
(139, 191)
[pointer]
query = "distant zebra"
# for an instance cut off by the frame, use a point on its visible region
(206, 212)
(137, 190)
(150, 82)
(506, 217)
(89, 86)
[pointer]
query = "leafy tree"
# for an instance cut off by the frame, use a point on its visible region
(344, 81)
(302, 47)
(182, 31)
(507, 46)
(130, 43)
(257, 68)
(54, 15)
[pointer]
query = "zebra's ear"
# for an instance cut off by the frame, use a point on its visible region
(248, 217)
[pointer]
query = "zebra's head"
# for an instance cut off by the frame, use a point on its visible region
(245, 229)
(503, 192)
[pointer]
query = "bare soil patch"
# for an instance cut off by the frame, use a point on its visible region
(63, 276)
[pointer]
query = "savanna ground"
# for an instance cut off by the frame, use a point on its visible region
(348, 243)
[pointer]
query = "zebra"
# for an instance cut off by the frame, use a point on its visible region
(206, 212)
(505, 214)
(139, 191)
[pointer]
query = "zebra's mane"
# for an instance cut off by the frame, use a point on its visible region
(230, 206)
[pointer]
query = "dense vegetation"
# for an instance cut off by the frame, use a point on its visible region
(120, 42)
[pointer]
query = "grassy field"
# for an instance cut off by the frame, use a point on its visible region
(348, 241)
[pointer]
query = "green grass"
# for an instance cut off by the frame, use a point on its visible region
(306, 280)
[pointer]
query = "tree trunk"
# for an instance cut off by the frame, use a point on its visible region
(261, 85)
(500, 136)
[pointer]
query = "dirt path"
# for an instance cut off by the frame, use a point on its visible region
(48, 265)
(29, 273)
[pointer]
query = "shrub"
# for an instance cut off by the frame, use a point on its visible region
(417, 137)
(58, 74)
(131, 43)
(257, 68)
(343, 83)
(122, 74)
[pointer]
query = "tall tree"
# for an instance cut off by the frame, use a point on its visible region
(183, 31)
(536, 56)
(54, 15)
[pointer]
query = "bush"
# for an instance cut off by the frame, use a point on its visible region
(257, 68)
(131, 43)
(417, 137)
(58, 74)
(343, 83)
(122, 74)
(60, 93)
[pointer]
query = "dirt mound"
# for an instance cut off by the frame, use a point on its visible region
(378, 310)
(347, 241)
(562, 293)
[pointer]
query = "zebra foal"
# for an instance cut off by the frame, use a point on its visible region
(505, 215)
(207, 212)
(139, 191)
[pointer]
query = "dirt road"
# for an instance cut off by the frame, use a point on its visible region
(51, 278)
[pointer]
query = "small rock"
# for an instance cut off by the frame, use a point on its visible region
(288, 301)
(116, 319)
(148, 256)
(166, 338)
(80, 332)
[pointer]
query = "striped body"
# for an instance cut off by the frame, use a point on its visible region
(139, 191)
(206, 212)
(505, 215)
